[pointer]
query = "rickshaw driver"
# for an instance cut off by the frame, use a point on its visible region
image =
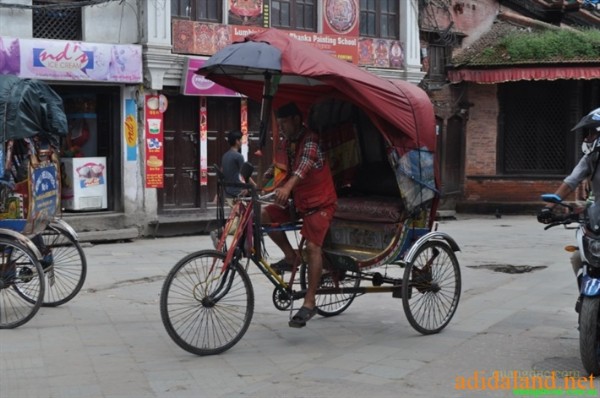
(311, 183)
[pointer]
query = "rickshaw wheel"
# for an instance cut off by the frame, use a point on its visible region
(21, 284)
(204, 309)
(64, 265)
(332, 304)
(431, 287)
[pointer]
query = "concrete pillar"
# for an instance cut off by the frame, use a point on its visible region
(409, 35)
(156, 38)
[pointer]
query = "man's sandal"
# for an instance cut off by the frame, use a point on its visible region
(303, 315)
(281, 266)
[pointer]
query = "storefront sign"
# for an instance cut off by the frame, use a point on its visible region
(71, 60)
(131, 129)
(203, 141)
(154, 143)
(193, 84)
(206, 39)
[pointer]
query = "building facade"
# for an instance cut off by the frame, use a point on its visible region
(505, 116)
(138, 104)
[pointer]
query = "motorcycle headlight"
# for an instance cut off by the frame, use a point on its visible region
(591, 249)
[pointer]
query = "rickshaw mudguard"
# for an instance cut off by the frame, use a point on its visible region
(24, 240)
(431, 236)
(63, 226)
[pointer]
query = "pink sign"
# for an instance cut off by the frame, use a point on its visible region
(193, 84)
(71, 60)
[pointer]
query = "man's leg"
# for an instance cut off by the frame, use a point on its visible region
(279, 237)
(315, 270)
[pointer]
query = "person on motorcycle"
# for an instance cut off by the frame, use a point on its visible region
(585, 170)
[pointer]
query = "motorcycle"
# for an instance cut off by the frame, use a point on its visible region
(588, 245)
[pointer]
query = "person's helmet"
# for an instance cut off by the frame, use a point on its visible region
(588, 124)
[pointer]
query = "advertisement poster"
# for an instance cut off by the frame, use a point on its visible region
(131, 130)
(71, 60)
(154, 143)
(203, 142)
(246, 12)
(340, 17)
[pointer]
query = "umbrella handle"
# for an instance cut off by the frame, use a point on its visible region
(265, 111)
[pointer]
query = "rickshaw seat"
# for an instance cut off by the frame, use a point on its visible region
(375, 209)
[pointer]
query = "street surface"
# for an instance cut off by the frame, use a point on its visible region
(110, 342)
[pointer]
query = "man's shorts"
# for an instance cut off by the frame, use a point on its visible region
(315, 224)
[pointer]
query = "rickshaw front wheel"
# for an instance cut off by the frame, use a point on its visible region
(205, 309)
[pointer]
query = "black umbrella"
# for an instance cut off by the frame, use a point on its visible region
(244, 60)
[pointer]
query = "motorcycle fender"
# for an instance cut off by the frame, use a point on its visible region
(590, 287)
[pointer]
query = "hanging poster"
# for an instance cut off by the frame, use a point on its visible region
(154, 143)
(203, 142)
(131, 130)
(244, 127)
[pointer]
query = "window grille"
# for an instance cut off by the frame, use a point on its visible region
(56, 23)
(534, 128)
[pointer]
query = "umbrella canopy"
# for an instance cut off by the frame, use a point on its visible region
(302, 73)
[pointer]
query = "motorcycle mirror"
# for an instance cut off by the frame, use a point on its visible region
(246, 171)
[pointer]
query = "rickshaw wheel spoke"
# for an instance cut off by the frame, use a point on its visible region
(431, 287)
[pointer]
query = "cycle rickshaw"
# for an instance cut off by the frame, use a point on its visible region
(380, 139)
(41, 260)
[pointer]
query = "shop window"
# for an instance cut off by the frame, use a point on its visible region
(198, 10)
(379, 18)
(50, 21)
(533, 127)
(294, 14)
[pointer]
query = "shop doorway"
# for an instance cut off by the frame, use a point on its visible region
(93, 116)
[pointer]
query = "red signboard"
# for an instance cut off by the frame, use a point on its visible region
(154, 143)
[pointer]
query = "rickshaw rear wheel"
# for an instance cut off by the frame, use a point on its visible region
(21, 284)
(64, 265)
(204, 309)
(431, 287)
(332, 304)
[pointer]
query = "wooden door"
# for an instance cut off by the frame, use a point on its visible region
(223, 115)
(181, 148)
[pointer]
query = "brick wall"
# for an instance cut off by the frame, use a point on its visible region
(481, 138)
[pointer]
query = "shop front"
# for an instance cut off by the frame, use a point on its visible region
(95, 82)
